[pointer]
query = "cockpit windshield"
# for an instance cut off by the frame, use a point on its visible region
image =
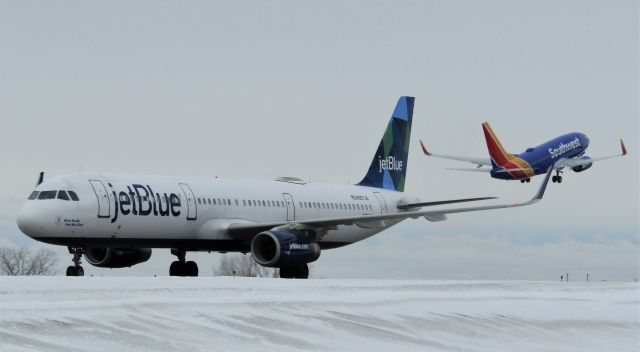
(47, 195)
(62, 195)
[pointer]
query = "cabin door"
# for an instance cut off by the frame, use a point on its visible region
(291, 207)
(104, 205)
(192, 210)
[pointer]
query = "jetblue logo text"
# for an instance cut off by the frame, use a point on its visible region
(563, 148)
(141, 201)
(298, 246)
(389, 163)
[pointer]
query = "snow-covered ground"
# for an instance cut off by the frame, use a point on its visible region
(245, 314)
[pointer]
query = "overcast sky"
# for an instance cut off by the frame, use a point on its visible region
(259, 89)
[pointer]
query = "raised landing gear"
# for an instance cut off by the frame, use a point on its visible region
(181, 267)
(557, 178)
(75, 269)
(527, 180)
(295, 272)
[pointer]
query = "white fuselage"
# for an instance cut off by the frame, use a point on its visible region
(117, 210)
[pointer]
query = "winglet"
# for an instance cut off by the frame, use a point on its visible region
(543, 187)
(624, 149)
(424, 148)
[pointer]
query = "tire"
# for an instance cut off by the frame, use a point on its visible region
(79, 271)
(190, 269)
(554, 179)
(175, 269)
(559, 179)
(302, 272)
(71, 271)
(286, 272)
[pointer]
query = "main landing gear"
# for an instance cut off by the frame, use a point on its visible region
(294, 272)
(76, 269)
(527, 180)
(181, 267)
(557, 178)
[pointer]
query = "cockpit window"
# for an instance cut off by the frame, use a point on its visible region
(63, 195)
(33, 195)
(74, 196)
(47, 195)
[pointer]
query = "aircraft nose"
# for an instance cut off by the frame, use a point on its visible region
(27, 221)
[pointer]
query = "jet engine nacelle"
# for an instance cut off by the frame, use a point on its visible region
(117, 257)
(277, 248)
(581, 168)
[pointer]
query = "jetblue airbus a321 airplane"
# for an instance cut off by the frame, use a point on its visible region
(566, 151)
(115, 219)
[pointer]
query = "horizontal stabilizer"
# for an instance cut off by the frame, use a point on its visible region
(442, 202)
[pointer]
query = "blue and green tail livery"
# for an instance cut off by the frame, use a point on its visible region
(389, 165)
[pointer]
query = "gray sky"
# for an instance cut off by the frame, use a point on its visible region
(264, 89)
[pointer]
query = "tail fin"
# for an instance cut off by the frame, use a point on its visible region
(389, 165)
(499, 157)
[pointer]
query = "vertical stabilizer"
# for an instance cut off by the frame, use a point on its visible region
(499, 157)
(389, 165)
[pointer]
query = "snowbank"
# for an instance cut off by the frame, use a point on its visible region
(250, 314)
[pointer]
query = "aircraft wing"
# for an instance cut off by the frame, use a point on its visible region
(246, 231)
(477, 161)
(562, 163)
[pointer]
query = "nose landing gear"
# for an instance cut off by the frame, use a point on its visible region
(76, 269)
(181, 267)
(527, 180)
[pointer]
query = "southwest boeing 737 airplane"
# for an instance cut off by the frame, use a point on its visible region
(114, 220)
(566, 151)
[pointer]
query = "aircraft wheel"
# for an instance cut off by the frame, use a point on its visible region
(554, 179)
(190, 268)
(528, 180)
(286, 272)
(559, 179)
(521, 181)
(79, 271)
(175, 269)
(302, 272)
(71, 271)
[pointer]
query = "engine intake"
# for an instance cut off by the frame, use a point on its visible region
(581, 168)
(277, 248)
(117, 257)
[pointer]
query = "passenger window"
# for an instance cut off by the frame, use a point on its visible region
(74, 196)
(33, 195)
(228, 201)
(236, 202)
(63, 195)
(244, 202)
